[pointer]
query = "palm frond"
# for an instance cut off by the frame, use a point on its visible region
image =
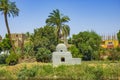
(57, 20)
(9, 8)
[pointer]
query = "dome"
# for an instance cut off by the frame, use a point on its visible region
(61, 48)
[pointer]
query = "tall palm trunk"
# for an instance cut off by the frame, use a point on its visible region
(65, 40)
(8, 30)
(58, 35)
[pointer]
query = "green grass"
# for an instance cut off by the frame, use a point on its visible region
(88, 70)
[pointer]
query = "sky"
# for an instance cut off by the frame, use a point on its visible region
(101, 16)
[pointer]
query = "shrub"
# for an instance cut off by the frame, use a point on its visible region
(114, 54)
(111, 72)
(3, 58)
(12, 59)
(26, 73)
(43, 55)
(45, 70)
(98, 71)
(75, 52)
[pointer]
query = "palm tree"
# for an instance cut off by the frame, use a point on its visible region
(65, 33)
(57, 20)
(8, 8)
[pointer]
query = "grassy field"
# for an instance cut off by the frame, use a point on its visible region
(88, 70)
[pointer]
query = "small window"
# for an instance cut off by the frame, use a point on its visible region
(61, 50)
(16, 35)
(110, 43)
(62, 59)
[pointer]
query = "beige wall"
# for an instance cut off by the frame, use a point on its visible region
(18, 39)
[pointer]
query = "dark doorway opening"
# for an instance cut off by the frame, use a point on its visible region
(62, 59)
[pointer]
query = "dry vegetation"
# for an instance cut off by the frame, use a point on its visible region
(86, 71)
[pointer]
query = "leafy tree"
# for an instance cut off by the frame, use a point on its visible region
(118, 36)
(29, 49)
(3, 58)
(27, 34)
(0, 46)
(8, 8)
(75, 51)
(87, 43)
(45, 38)
(43, 55)
(5, 44)
(57, 20)
(12, 59)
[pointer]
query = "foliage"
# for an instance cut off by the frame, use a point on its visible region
(44, 37)
(12, 59)
(0, 47)
(114, 54)
(3, 58)
(26, 73)
(29, 49)
(70, 40)
(75, 51)
(5, 75)
(45, 70)
(8, 8)
(88, 70)
(57, 20)
(87, 43)
(5, 44)
(118, 36)
(43, 55)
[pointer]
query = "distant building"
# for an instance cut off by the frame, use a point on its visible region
(110, 41)
(18, 39)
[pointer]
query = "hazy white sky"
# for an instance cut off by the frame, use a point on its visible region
(102, 16)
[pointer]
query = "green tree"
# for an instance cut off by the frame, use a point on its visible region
(5, 44)
(0, 46)
(118, 36)
(29, 49)
(43, 55)
(57, 20)
(12, 59)
(44, 37)
(87, 43)
(75, 51)
(8, 8)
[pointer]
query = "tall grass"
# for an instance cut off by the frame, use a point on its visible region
(5, 75)
(85, 71)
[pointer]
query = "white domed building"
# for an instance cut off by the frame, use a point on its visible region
(62, 56)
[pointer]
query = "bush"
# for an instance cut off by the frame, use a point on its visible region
(12, 59)
(45, 71)
(111, 72)
(3, 58)
(98, 71)
(75, 52)
(114, 54)
(43, 55)
(26, 73)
